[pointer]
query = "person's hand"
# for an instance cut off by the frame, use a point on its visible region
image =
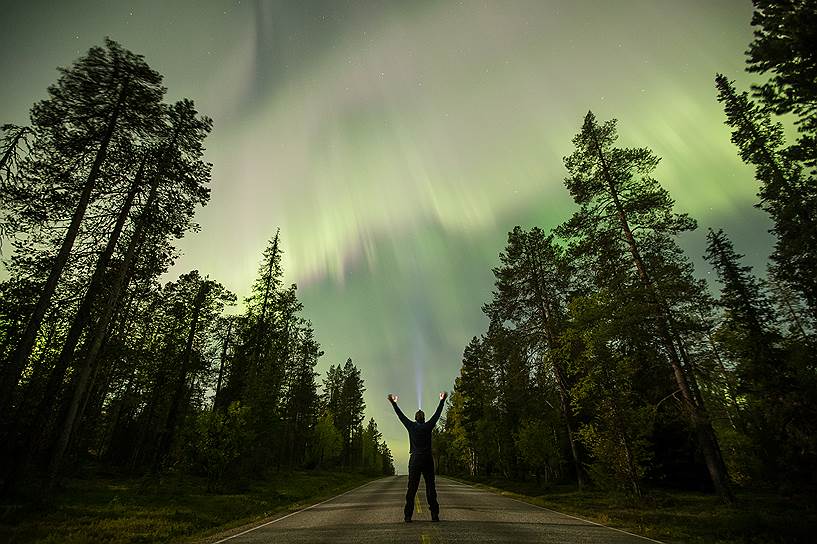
(393, 398)
(443, 395)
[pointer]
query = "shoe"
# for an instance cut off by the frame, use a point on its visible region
(407, 520)
(435, 518)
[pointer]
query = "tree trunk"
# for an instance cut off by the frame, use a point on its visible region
(113, 426)
(564, 394)
(98, 334)
(564, 401)
(169, 429)
(83, 314)
(221, 365)
(98, 391)
(731, 386)
(26, 345)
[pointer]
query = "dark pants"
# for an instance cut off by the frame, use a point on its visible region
(421, 464)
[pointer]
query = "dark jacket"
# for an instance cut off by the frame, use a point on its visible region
(419, 433)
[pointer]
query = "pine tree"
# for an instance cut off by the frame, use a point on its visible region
(326, 443)
(177, 186)
(510, 362)
(203, 300)
(625, 222)
(258, 373)
(110, 93)
(226, 325)
(264, 291)
(387, 459)
(342, 400)
(613, 369)
(532, 285)
(332, 386)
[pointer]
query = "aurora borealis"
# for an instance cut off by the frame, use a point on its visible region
(395, 143)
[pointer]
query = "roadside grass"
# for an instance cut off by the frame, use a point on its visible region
(757, 517)
(175, 508)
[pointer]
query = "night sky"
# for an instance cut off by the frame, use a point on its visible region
(396, 142)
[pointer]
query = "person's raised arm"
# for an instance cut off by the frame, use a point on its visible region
(436, 416)
(403, 419)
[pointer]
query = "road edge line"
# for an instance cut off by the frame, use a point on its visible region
(276, 520)
(563, 514)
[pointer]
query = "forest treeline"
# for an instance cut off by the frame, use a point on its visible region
(607, 360)
(103, 362)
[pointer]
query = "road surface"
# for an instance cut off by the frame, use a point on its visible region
(373, 513)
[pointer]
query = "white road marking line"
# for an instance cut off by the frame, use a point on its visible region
(574, 517)
(276, 520)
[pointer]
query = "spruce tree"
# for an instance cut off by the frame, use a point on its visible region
(474, 395)
(776, 384)
(785, 193)
(784, 50)
(350, 408)
(300, 407)
(742, 295)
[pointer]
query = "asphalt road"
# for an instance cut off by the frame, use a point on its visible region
(374, 513)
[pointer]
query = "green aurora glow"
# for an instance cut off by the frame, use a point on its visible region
(395, 143)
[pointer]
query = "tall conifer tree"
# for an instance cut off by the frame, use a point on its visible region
(110, 93)
(626, 223)
(785, 192)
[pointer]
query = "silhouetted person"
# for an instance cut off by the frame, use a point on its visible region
(420, 461)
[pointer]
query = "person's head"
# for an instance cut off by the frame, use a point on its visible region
(420, 416)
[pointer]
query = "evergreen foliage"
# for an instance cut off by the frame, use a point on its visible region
(784, 49)
(786, 193)
(604, 352)
(773, 382)
(604, 361)
(104, 363)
